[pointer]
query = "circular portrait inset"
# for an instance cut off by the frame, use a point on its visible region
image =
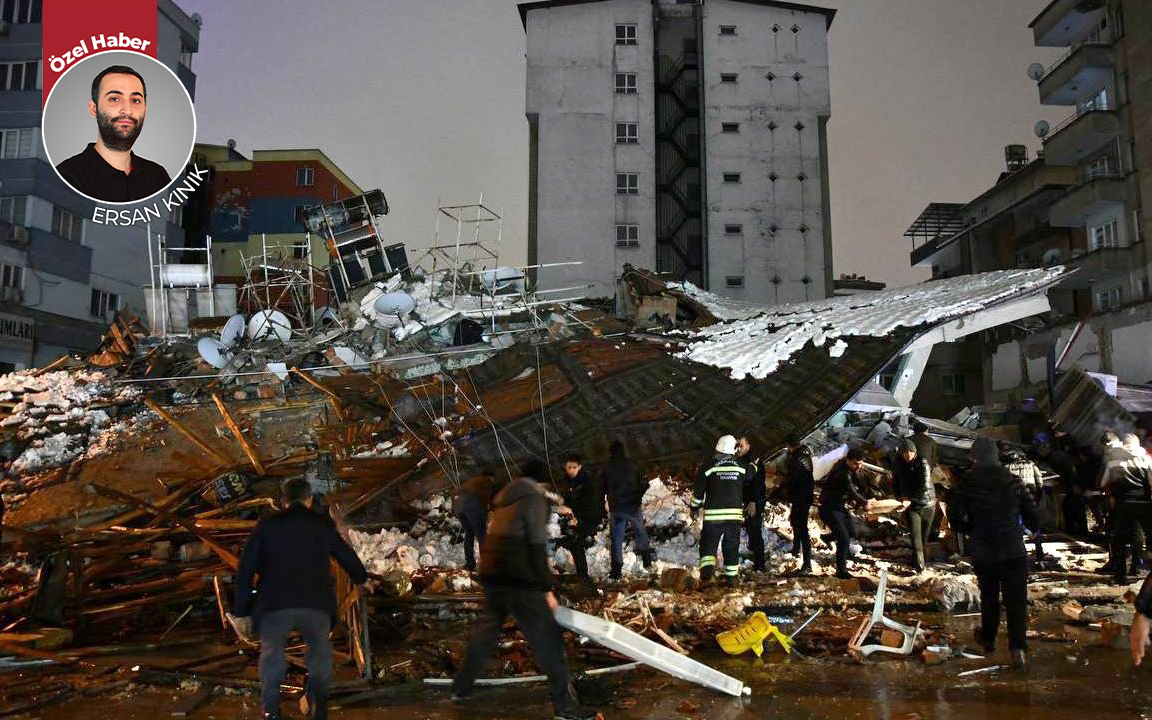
(119, 127)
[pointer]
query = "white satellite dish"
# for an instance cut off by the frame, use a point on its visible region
(1042, 128)
(1036, 71)
(395, 304)
(270, 324)
(233, 331)
(502, 278)
(213, 352)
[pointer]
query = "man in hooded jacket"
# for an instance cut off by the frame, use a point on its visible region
(989, 505)
(1128, 479)
(625, 496)
(584, 495)
(912, 481)
(517, 581)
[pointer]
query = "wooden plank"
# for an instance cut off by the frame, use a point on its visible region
(193, 703)
(220, 459)
(336, 404)
(238, 434)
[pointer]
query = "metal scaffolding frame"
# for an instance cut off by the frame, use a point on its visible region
(281, 277)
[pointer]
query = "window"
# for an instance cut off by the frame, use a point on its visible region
(730, 127)
(1099, 101)
(627, 235)
(627, 183)
(733, 229)
(19, 75)
(12, 209)
(731, 177)
(1103, 236)
(627, 133)
(887, 380)
(1106, 300)
(625, 34)
(728, 77)
(335, 191)
(66, 225)
(185, 54)
(305, 177)
(20, 11)
(954, 384)
(16, 144)
(727, 29)
(626, 83)
(734, 281)
(1098, 168)
(103, 303)
(12, 276)
(298, 213)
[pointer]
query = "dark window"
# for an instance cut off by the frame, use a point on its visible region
(298, 213)
(627, 235)
(727, 29)
(625, 34)
(731, 177)
(19, 75)
(66, 225)
(627, 133)
(954, 384)
(733, 229)
(627, 183)
(734, 281)
(626, 83)
(305, 177)
(728, 77)
(730, 127)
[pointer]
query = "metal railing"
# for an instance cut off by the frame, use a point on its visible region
(1102, 41)
(1080, 112)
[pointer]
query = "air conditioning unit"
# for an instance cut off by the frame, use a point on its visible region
(12, 295)
(19, 235)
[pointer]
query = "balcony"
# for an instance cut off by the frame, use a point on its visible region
(1099, 266)
(1041, 233)
(1092, 196)
(1078, 75)
(1059, 24)
(1078, 136)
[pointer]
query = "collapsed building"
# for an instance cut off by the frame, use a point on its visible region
(133, 476)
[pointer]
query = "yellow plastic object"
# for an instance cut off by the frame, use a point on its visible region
(751, 635)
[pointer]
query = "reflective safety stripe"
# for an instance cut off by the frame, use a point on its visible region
(724, 514)
(697, 502)
(708, 561)
(724, 468)
(731, 569)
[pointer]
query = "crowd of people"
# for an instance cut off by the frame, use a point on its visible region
(992, 506)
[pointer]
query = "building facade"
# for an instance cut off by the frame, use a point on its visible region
(687, 137)
(249, 203)
(1083, 204)
(63, 276)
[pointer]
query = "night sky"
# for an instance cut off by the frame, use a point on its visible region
(425, 100)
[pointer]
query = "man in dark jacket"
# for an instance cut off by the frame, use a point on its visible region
(471, 504)
(290, 552)
(625, 493)
(584, 496)
(912, 483)
(1128, 479)
(719, 489)
(518, 582)
(755, 498)
(989, 505)
(926, 447)
(801, 487)
(841, 487)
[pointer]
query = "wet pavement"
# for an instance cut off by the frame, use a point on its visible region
(1065, 681)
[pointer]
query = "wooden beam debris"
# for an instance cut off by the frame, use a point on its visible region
(171, 420)
(239, 435)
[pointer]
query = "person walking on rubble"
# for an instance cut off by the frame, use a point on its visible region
(290, 553)
(841, 486)
(912, 483)
(625, 494)
(801, 487)
(989, 505)
(719, 489)
(471, 505)
(755, 499)
(926, 447)
(1128, 479)
(584, 495)
(517, 581)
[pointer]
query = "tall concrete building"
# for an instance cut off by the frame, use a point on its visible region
(1083, 203)
(62, 277)
(686, 136)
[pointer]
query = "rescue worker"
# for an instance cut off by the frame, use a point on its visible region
(471, 505)
(801, 488)
(990, 505)
(290, 553)
(1128, 479)
(584, 496)
(719, 490)
(517, 581)
(755, 498)
(912, 483)
(840, 487)
(625, 494)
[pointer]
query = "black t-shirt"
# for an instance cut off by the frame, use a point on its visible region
(92, 175)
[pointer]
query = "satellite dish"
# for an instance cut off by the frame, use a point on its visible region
(502, 278)
(270, 324)
(1036, 71)
(214, 352)
(1042, 128)
(233, 331)
(395, 304)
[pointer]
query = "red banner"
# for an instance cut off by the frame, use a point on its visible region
(76, 29)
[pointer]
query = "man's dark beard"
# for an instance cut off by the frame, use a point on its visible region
(113, 137)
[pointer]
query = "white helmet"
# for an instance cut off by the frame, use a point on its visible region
(726, 445)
